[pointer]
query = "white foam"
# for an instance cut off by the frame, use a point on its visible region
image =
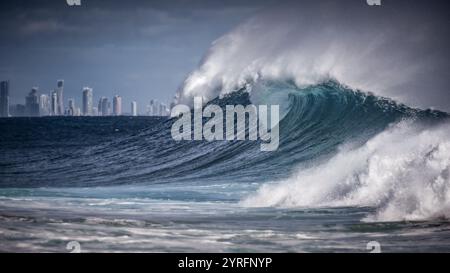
(397, 51)
(403, 172)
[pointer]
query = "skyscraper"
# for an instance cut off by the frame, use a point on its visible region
(32, 103)
(60, 98)
(157, 108)
(105, 105)
(99, 108)
(87, 101)
(151, 108)
(44, 105)
(4, 99)
(134, 108)
(54, 103)
(117, 105)
(18, 110)
(71, 109)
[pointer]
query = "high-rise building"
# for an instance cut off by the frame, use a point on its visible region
(117, 105)
(32, 103)
(87, 101)
(105, 106)
(71, 108)
(150, 108)
(54, 103)
(60, 97)
(71, 103)
(151, 111)
(4, 99)
(147, 111)
(99, 108)
(17, 110)
(44, 105)
(158, 109)
(134, 108)
(163, 111)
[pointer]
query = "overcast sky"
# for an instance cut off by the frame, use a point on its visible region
(145, 50)
(398, 50)
(140, 50)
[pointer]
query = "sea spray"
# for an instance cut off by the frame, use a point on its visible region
(404, 172)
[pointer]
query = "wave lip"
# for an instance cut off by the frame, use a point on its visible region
(404, 172)
(400, 55)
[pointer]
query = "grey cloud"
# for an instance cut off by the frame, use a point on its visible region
(140, 49)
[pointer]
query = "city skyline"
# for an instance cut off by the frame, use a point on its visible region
(39, 104)
(146, 54)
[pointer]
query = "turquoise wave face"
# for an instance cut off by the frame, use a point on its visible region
(86, 152)
(123, 184)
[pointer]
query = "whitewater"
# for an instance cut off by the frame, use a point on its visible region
(364, 147)
(404, 170)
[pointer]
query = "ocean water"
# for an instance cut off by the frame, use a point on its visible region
(351, 168)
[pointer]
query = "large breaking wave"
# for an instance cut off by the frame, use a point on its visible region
(338, 146)
(350, 148)
(398, 50)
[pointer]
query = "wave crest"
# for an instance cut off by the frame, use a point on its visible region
(395, 55)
